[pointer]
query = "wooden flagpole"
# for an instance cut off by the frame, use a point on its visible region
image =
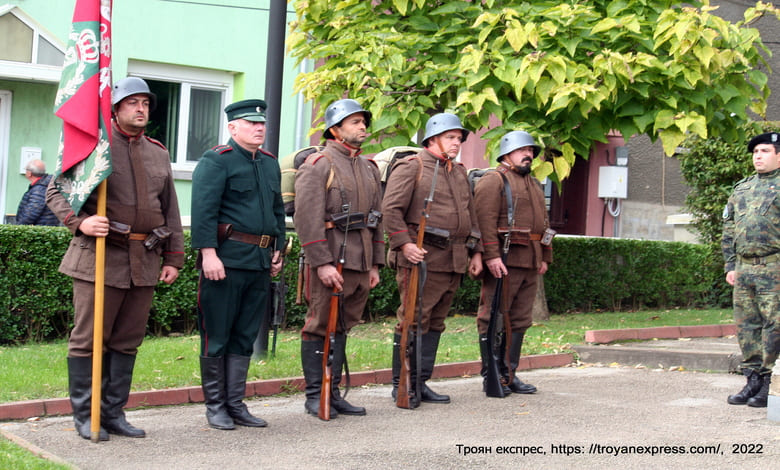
(97, 333)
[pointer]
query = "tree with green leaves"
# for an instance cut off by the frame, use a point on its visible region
(567, 71)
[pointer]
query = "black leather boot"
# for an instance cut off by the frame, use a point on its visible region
(212, 372)
(430, 345)
(751, 388)
(80, 391)
(484, 352)
(311, 361)
(116, 392)
(515, 384)
(759, 400)
(236, 368)
(396, 364)
(337, 402)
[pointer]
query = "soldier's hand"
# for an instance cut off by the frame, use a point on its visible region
(543, 267)
(412, 253)
(373, 276)
(94, 226)
(168, 274)
(276, 263)
(731, 277)
(496, 267)
(330, 276)
(213, 268)
(475, 265)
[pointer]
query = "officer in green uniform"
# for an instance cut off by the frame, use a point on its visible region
(751, 249)
(238, 226)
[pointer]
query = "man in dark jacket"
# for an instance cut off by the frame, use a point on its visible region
(32, 208)
(238, 226)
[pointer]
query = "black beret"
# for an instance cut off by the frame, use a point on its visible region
(768, 138)
(251, 110)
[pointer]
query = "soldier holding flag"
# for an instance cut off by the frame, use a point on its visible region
(145, 245)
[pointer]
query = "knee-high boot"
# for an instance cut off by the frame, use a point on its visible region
(396, 364)
(80, 392)
(484, 352)
(236, 368)
(430, 345)
(116, 391)
(311, 361)
(212, 372)
(515, 384)
(337, 402)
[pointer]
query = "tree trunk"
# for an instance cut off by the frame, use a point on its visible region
(541, 312)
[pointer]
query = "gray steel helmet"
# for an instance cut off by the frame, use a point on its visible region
(132, 86)
(338, 110)
(514, 140)
(441, 123)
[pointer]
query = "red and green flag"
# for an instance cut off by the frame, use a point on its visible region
(84, 103)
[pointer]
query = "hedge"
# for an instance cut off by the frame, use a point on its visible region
(589, 274)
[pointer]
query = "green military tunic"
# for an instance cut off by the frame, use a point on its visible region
(231, 185)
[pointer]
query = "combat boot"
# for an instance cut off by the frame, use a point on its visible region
(750, 389)
(759, 400)
(212, 373)
(516, 384)
(116, 391)
(484, 352)
(430, 345)
(337, 402)
(396, 364)
(80, 393)
(311, 362)
(236, 369)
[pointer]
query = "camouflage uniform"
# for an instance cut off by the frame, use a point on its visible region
(751, 247)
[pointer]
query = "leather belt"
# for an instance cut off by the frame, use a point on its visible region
(263, 241)
(531, 236)
(760, 260)
(137, 236)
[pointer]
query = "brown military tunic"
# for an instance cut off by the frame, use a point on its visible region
(452, 209)
(133, 270)
(525, 255)
(324, 185)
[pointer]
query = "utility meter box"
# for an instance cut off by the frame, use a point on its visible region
(613, 182)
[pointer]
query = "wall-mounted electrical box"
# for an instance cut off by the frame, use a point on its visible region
(613, 182)
(28, 153)
(621, 156)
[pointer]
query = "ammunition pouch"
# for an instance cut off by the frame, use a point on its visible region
(158, 235)
(373, 218)
(118, 234)
(547, 236)
(349, 220)
(438, 237)
(517, 236)
(472, 239)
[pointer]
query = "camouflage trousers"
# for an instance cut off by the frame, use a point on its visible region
(757, 315)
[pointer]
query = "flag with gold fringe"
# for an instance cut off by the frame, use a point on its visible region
(84, 103)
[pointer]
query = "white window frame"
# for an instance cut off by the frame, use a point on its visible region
(187, 78)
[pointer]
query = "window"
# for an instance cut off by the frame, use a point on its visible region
(188, 118)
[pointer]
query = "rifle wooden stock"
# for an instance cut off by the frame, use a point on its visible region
(493, 384)
(327, 363)
(410, 306)
(299, 286)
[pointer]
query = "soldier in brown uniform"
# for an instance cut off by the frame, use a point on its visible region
(335, 189)
(141, 195)
(450, 238)
(529, 250)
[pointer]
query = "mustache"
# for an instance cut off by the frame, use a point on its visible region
(527, 159)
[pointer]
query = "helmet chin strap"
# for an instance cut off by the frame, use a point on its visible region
(337, 137)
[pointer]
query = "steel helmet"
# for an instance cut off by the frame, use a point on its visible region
(514, 140)
(338, 110)
(441, 123)
(132, 86)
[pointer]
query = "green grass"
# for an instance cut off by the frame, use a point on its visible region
(15, 457)
(37, 371)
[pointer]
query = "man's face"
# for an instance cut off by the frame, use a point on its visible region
(248, 134)
(522, 157)
(449, 142)
(765, 158)
(132, 113)
(353, 130)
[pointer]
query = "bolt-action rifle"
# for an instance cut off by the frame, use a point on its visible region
(278, 294)
(330, 339)
(494, 386)
(406, 397)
